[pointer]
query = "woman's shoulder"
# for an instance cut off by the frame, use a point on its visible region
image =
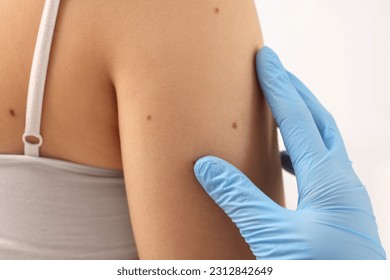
(133, 32)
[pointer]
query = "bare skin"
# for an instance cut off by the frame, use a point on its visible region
(79, 119)
(155, 85)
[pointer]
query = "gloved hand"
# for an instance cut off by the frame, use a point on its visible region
(334, 217)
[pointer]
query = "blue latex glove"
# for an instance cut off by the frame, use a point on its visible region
(334, 217)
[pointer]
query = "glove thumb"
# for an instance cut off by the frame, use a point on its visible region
(249, 208)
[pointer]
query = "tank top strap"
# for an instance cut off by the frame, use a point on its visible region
(32, 138)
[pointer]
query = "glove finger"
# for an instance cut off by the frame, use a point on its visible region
(323, 119)
(250, 209)
(299, 131)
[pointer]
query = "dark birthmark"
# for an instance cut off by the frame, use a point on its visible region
(149, 117)
(234, 125)
(216, 10)
(12, 112)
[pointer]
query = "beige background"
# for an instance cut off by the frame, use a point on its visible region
(340, 49)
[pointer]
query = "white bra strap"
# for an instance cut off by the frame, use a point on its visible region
(38, 73)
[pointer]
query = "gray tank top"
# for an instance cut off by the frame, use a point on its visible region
(54, 209)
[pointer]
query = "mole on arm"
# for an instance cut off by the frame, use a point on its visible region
(234, 125)
(12, 112)
(216, 10)
(149, 117)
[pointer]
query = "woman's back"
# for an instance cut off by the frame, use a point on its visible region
(53, 208)
(182, 75)
(79, 117)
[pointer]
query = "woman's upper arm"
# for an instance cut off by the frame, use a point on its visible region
(186, 87)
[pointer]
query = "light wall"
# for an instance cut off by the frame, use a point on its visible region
(340, 50)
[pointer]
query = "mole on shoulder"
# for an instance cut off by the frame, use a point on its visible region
(12, 112)
(234, 125)
(149, 117)
(216, 10)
